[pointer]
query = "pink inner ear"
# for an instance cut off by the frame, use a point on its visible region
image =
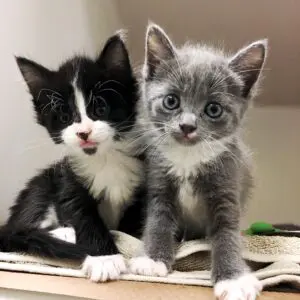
(253, 57)
(248, 63)
(249, 58)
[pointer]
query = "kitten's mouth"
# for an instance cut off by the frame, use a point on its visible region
(186, 139)
(88, 144)
(89, 147)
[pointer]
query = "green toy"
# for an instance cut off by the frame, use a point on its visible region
(261, 228)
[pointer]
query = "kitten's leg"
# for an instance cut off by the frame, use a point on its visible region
(159, 237)
(231, 277)
(103, 262)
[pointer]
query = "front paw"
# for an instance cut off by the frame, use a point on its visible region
(104, 268)
(146, 266)
(245, 287)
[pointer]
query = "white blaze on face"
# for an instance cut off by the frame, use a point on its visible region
(100, 132)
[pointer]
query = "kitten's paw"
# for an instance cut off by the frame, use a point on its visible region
(104, 268)
(246, 287)
(67, 234)
(146, 266)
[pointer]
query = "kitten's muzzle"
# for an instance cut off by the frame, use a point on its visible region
(83, 135)
(187, 134)
(188, 126)
(85, 143)
(187, 129)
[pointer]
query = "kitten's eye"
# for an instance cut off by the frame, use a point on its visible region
(63, 110)
(101, 109)
(213, 110)
(171, 102)
(64, 118)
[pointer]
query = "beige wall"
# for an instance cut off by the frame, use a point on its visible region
(47, 31)
(273, 133)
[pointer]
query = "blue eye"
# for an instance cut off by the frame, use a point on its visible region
(171, 102)
(213, 110)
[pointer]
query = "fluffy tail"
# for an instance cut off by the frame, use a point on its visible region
(39, 242)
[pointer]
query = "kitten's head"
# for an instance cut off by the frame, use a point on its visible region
(86, 104)
(194, 93)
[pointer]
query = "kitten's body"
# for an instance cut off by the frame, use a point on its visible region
(193, 102)
(90, 107)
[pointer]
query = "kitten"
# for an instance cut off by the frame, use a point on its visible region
(89, 106)
(193, 102)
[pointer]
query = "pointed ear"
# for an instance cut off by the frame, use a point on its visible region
(114, 56)
(158, 48)
(35, 75)
(248, 63)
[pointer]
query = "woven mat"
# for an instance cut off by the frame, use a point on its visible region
(274, 260)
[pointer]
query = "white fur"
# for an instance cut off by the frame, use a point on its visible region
(50, 218)
(113, 173)
(246, 287)
(79, 99)
(65, 233)
(193, 209)
(146, 266)
(104, 268)
(186, 160)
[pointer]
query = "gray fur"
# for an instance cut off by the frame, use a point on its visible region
(197, 187)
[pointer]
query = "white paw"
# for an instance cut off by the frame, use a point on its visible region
(104, 268)
(67, 234)
(146, 266)
(246, 287)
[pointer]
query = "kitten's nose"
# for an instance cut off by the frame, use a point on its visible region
(84, 135)
(187, 129)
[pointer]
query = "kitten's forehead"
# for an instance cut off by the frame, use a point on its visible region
(194, 70)
(79, 69)
(201, 56)
(202, 65)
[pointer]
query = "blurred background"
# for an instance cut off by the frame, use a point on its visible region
(50, 31)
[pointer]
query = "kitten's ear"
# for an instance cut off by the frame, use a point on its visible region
(248, 63)
(114, 56)
(159, 48)
(35, 75)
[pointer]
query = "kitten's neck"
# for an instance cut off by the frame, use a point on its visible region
(115, 171)
(185, 161)
(102, 159)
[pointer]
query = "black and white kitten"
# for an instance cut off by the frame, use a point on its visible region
(193, 102)
(89, 106)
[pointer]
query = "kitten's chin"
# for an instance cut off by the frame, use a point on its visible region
(90, 151)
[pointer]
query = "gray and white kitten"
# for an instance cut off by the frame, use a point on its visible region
(193, 102)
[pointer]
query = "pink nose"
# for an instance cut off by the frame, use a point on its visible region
(84, 135)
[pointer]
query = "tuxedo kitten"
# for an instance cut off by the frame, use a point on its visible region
(193, 102)
(89, 106)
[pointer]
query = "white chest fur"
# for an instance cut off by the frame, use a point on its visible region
(192, 206)
(185, 163)
(113, 176)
